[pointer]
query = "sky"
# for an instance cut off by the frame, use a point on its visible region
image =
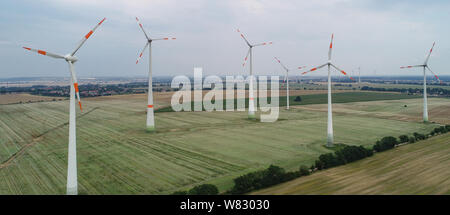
(377, 35)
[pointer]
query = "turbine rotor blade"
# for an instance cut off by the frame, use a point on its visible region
(314, 69)
(437, 77)
(142, 28)
(44, 53)
(301, 67)
(281, 63)
(242, 35)
(75, 84)
(407, 67)
(429, 54)
(246, 57)
(166, 38)
(142, 52)
(263, 44)
(342, 71)
(87, 36)
(331, 47)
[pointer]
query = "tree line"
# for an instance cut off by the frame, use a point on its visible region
(431, 91)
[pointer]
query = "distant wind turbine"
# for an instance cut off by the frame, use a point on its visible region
(330, 116)
(286, 79)
(251, 102)
(425, 66)
(150, 110)
(72, 181)
(359, 77)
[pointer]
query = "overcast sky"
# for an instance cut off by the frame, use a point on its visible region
(377, 35)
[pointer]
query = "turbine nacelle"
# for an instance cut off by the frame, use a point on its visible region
(71, 58)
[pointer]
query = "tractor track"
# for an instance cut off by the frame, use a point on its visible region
(35, 140)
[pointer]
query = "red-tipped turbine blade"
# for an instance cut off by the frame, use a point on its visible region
(429, 54)
(407, 67)
(142, 28)
(166, 38)
(87, 36)
(331, 47)
(142, 52)
(243, 37)
(281, 63)
(342, 71)
(437, 77)
(314, 69)
(263, 44)
(44, 53)
(246, 57)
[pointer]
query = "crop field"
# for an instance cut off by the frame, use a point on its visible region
(419, 168)
(15, 98)
(117, 156)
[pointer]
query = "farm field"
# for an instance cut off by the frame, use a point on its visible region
(419, 168)
(24, 98)
(117, 156)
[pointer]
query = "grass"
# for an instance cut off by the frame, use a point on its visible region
(419, 168)
(117, 156)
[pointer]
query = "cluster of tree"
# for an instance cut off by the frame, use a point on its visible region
(431, 91)
(204, 189)
(261, 179)
(387, 143)
(342, 156)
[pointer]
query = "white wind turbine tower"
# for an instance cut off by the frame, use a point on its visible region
(330, 116)
(251, 98)
(72, 182)
(150, 110)
(359, 77)
(286, 79)
(425, 66)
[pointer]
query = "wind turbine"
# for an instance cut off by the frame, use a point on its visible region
(425, 66)
(330, 114)
(359, 77)
(150, 111)
(286, 79)
(251, 102)
(72, 182)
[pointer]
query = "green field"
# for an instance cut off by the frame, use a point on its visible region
(117, 156)
(419, 168)
(340, 97)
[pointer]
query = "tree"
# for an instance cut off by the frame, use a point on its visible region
(412, 140)
(419, 136)
(385, 143)
(273, 175)
(304, 170)
(204, 189)
(403, 138)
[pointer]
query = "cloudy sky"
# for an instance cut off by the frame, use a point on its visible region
(377, 35)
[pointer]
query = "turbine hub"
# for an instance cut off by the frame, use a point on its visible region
(71, 58)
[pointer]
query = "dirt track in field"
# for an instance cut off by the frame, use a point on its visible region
(35, 140)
